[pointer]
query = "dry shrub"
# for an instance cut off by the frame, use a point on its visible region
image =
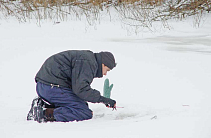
(143, 14)
(137, 13)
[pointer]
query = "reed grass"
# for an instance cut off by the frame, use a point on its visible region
(132, 12)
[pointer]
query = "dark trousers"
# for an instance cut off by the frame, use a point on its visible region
(69, 107)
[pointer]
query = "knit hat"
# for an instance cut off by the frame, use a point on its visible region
(108, 59)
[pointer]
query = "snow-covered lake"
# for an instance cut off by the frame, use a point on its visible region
(163, 79)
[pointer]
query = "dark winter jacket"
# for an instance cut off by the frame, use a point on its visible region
(73, 69)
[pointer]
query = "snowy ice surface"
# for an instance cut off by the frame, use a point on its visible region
(163, 79)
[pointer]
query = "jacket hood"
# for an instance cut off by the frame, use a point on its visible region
(99, 73)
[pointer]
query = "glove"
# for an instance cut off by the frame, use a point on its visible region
(107, 89)
(108, 102)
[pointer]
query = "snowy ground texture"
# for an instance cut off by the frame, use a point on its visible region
(163, 79)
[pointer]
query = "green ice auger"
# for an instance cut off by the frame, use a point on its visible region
(107, 89)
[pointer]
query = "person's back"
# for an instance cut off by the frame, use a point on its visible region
(57, 69)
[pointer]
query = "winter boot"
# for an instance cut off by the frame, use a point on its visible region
(48, 115)
(39, 111)
(31, 113)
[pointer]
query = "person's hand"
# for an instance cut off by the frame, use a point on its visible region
(108, 102)
(114, 107)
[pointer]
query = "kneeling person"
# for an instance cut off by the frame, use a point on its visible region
(64, 81)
